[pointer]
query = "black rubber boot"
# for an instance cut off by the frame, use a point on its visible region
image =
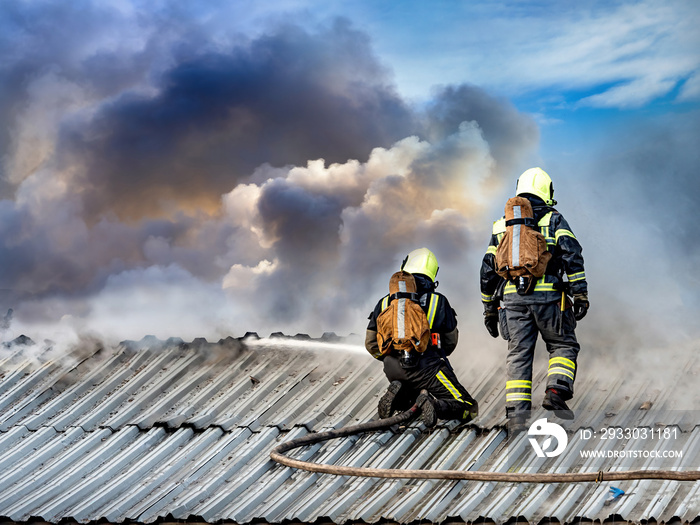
(553, 401)
(516, 424)
(386, 402)
(428, 414)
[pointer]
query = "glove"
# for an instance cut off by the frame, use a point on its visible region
(581, 305)
(491, 318)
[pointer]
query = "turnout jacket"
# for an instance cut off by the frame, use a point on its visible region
(442, 320)
(565, 271)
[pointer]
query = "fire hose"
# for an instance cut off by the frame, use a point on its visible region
(277, 455)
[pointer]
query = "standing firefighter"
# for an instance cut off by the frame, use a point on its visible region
(532, 268)
(413, 330)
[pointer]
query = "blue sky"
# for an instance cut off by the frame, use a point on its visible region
(569, 64)
(582, 69)
(254, 158)
(588, 54)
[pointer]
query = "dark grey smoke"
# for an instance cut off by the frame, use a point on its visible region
(663, 161)
(655, 184)
(306, 226)
(6, 321)
(633, 211)
(282, 99)
(59, 48)
(507, 132)
(167, 177)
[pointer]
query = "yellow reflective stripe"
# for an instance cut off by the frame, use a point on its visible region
(562, 361)
(579, 276)
(385, 302)
(518, 383)
(432, 309)
(518, 397)
(563, 233)
(449, 386)
(519, 394)
(561, 371)
(499, 237)
(545, 287)
(492, 250)
(544, 221)
(499, 226)
(539, 287)
(487, 298)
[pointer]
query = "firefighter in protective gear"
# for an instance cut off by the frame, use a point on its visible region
(429, 381)
(546, 310)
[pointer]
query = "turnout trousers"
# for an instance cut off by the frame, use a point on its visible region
(520, 325)
(434, 374)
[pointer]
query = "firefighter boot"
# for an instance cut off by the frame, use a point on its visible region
(553, 401)
(387, 402)
(426, 403)
(516, 422)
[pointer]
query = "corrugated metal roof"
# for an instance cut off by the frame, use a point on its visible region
(162, 428)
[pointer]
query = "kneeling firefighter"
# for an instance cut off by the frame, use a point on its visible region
(413, 330)
(533, 283)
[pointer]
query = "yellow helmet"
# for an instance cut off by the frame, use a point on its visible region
(421, 261)
(535, 181)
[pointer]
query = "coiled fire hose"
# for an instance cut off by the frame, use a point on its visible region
(277, 455)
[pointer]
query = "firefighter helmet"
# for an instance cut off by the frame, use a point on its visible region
(421, 261)
(535, 181)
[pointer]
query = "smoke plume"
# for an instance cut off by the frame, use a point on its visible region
(182, 185)
(162, 176)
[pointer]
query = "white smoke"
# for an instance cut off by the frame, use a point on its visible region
(312, 245)
(176, 186)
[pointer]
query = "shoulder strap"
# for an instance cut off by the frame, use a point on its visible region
(527, 221)
(405, 295)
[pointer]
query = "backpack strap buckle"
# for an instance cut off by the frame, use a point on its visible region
(527, 221)
(405, 295)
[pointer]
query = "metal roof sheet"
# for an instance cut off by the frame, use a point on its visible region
(162, 428)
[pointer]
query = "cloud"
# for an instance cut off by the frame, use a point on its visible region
(631, 94)
(282, 99)
(690, 91)
(58, 59)
(336, 232)
(508, 134)
(526, 50)
(227, 182)
(643, 50)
